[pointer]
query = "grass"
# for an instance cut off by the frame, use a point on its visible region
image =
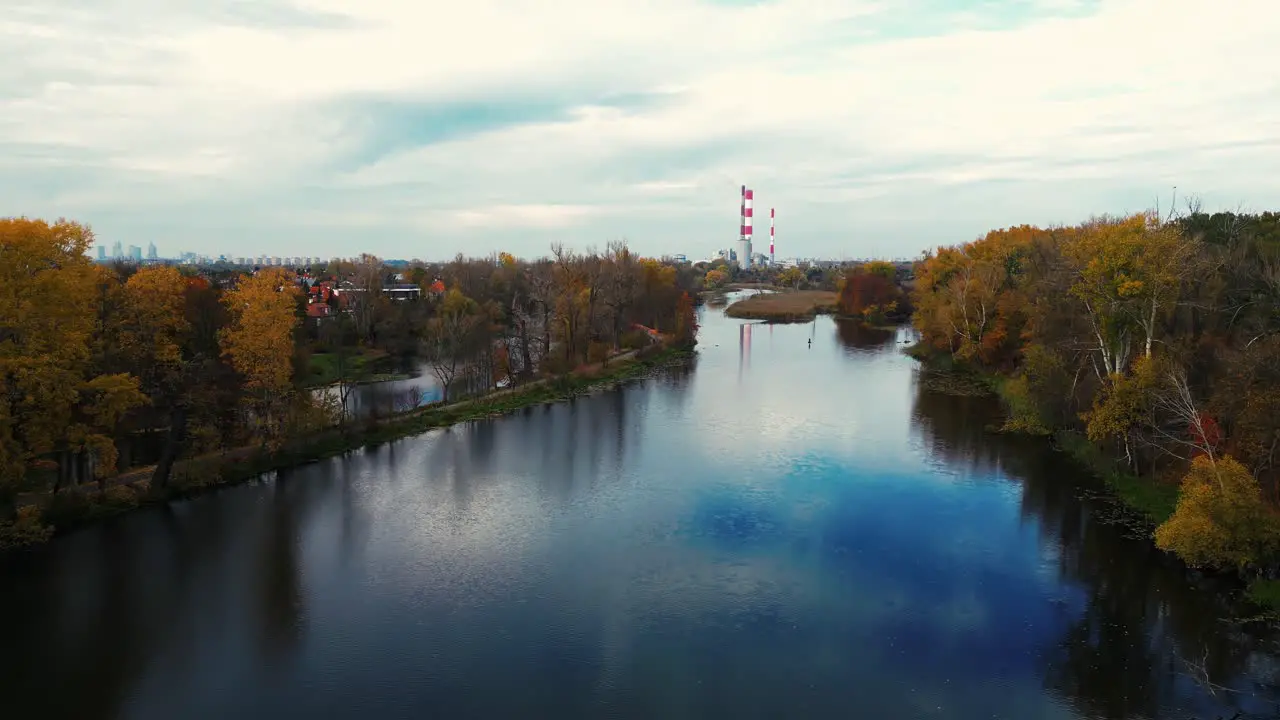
(77, 507)
(793, 306)
(364, 364)
(1265, 594)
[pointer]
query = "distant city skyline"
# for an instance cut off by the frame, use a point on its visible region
(279, 125)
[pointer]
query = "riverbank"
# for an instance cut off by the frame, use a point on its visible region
(784, 306)
(1141, 504)
(49, 515)
(1149, 501)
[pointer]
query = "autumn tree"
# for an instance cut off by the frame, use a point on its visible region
(1127, 271)
(572, 294)
(53, 403)
(1124, 406)
(259, 344)
(622, 280)
(1220, 520)
(686, 323)
(868, 293)
(450, 338)
(199, 394)
(791, 277)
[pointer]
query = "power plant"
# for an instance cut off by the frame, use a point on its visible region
(744, 239)
(744, 253)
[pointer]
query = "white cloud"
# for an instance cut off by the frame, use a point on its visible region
(521, 216)
(825, 106)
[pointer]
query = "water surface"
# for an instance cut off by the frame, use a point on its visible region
(780, 530)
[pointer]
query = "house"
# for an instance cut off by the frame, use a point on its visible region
(403, 292)
(318, 311)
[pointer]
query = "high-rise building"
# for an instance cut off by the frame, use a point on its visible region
(116, 250)
(151, 251)
(135, 253)
(102, 253)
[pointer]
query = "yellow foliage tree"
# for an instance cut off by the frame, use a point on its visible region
(967, 299)
(47, 320)
(156, 323)
(792, 277)
(104, 400)
(1124, 404)
(882, 268)
(1127, 271)
(1220, 520)
(259, 342)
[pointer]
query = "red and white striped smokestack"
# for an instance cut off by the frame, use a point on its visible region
(748, 196)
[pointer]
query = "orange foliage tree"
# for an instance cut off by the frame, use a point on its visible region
(686, 334)
(869, 292)
(259, 344)
(54, 402)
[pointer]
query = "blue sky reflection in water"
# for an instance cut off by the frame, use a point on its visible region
(779, 531)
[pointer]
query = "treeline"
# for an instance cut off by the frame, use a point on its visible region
(874, 293)
(100, 364)
(1156, 340)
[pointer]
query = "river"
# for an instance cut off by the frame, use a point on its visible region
(777, 530)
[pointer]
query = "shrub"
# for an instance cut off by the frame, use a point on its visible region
(1020, 405)
(196, 474)
(26, 530)
(634, 339)
(597, 352)
(119, 498)
(1220, 520)
(555, 365)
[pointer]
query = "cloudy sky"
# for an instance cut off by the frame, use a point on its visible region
(423, 129)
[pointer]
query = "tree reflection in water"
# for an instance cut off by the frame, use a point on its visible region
(858, 338)
(1126, 653)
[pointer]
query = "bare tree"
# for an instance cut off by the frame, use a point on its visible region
(620, 287)
(369, 281)
(568, 283)
(541, 279)
(594, 274)
(336, 334)
(450, 338)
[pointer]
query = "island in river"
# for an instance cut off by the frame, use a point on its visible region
(775, 529)
(784, 306)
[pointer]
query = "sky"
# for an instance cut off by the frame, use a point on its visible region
(876, 128)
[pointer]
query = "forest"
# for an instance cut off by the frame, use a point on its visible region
(1147, 345)
(111, 368)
